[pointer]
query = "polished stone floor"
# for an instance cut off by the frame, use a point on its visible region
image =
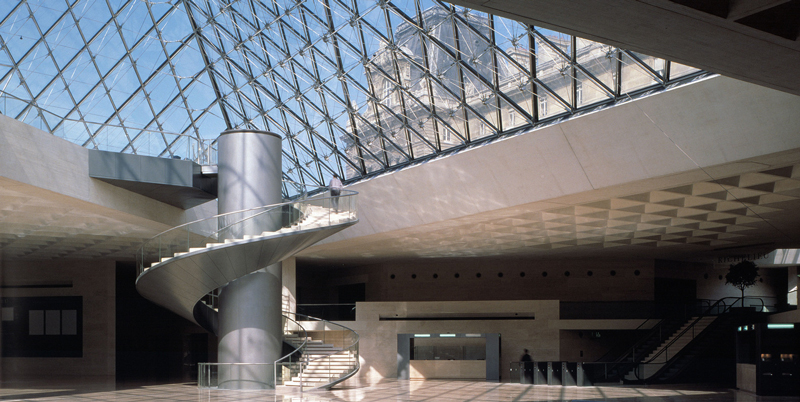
(389, 390)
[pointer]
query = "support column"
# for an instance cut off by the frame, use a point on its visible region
(250, 325)
(250, 329)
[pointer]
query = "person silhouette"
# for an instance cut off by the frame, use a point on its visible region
(526, 365)
(336, 189)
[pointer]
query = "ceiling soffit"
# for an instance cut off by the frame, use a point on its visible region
(756, 208)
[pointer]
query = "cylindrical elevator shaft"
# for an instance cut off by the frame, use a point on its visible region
(250, 327)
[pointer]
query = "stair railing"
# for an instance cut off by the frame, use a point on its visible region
(632, 357)
(721, 303)
(291, 362)
(250, 222)
(721, 307)
(635, 345)
(212, 375)
(297, 204)
(331, 364)
(181, 145)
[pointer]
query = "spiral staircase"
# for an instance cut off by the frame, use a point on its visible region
(180, 269)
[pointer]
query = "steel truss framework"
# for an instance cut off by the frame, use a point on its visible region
(355, 87)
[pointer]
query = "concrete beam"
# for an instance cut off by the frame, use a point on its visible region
(668, 30)
(176, 182)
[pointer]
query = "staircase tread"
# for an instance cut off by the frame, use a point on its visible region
(321, 359)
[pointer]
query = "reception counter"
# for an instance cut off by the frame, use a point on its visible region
(448, 369)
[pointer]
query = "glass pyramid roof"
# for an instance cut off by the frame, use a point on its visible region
(354, 87)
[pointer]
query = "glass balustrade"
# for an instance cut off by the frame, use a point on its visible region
(321, 210)
(325, 354)
(330, 357)
(236, 375)
(333, 354)
(117, 138)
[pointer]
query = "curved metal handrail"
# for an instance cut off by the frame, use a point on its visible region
(271, 206)
(302, 346)
(352, 347)
(345, 349)
(204, 369)
(299, 186)
(211, 224)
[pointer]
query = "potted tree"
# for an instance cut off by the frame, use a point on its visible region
(742, 276)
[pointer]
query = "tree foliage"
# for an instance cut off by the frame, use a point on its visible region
(742, 275)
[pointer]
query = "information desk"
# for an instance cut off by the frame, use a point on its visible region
(448, 355)
(448, 369)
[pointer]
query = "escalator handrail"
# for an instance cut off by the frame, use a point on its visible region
(679, 336)
(685, 349)
(691, 326)
(705, 314)
(631, 351)
(619, 359)
(668, 364)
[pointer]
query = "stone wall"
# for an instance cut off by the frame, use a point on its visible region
(94, 281)
(482, 279)
(378, 344)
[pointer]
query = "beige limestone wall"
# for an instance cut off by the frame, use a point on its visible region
(378, 344)
(449, 369)
(95, 282)
(289, 280)
(435, 280)
(546, 336)
(746, 377)
(57, 168)
(473, 342)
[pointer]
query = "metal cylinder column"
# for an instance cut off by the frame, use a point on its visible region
(250, 326)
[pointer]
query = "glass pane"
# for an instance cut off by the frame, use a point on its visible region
(351, 86)
(656, 64)
(677, 70)
(587, 91)
(547, 104)
(634, 76)
(599, 60)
